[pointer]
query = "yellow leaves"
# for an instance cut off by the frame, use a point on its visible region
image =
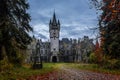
(114, 11)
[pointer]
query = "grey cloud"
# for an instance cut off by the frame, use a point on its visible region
(42, 36)
(75, 13)
(39, 35)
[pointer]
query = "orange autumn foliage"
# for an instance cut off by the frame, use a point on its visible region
(111, 10)
(98, 52)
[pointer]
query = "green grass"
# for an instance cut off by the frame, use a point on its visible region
(92, 67)
(25, 71)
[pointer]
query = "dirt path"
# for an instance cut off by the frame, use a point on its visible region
(65, 73)
(75, 74)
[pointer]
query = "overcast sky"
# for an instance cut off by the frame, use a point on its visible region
(75, 16)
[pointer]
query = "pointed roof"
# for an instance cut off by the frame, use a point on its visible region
(50, 21)
(54, 19)
(54, 23)
(58, 22)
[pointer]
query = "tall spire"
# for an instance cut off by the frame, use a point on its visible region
(54, 18)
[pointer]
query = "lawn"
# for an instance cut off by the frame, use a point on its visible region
(92, 67)
(25, 71)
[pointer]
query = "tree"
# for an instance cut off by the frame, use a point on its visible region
(14, 27)
(111, 20)
(109, 25)
(97, 53)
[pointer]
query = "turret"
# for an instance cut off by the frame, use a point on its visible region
(54, 24)
(58, 25)
(54, 29)
(50, 25)
(50, 22)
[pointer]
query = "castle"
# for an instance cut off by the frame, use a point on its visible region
(54, 30)
(65, 50)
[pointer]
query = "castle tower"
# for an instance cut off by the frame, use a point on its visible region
(54, 29)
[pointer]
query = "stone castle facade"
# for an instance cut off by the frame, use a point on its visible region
(70, 50)
(65, 50)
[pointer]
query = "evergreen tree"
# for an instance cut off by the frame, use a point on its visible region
(14, 27)
(109, 27)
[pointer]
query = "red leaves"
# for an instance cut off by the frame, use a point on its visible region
(98, 52)
(46, 76)
(111, 7)
(96, 46)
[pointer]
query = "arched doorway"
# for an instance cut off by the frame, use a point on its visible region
(54, 59)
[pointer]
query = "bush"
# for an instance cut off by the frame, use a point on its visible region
(111, 63)
(117, 64)
(5, 65)
(93, 58)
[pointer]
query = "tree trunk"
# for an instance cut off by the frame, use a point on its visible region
(2, 50)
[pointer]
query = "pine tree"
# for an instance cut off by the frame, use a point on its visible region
(14, 27)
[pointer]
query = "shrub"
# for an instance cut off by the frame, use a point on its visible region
(93, 58)
(117, 64)
(5, 65)
(109, 63)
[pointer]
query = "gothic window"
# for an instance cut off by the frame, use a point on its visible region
(54, 35)
(41, 51)
(45, 51)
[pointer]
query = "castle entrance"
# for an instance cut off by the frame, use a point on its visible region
(54, 59)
